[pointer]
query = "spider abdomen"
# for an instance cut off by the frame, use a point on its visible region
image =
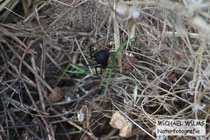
(102, 57)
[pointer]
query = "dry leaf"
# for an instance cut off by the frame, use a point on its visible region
(128, 61)
(120, 122)
(97, 107)
(126, 130)
(83, 116)
(56, 97)
(117, 120)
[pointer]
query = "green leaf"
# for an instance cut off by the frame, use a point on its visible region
(77, 70)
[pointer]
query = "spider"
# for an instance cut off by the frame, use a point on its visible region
(101, 57)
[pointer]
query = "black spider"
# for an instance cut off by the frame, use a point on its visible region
(101, 57)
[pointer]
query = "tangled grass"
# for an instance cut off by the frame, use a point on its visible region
(48, 92)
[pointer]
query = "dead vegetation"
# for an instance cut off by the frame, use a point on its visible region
(47, 91)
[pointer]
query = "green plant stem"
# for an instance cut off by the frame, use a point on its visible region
(113, 63)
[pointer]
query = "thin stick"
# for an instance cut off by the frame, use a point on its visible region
(75, 125)
(117, 38)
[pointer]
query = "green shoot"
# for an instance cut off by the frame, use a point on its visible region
(77, 70)
(113, 63)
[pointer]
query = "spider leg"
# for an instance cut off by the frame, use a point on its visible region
(101, 68)
(91, 64)
(96, 68)
(110, 67)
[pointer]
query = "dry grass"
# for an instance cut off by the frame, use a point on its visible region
(165, 76)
